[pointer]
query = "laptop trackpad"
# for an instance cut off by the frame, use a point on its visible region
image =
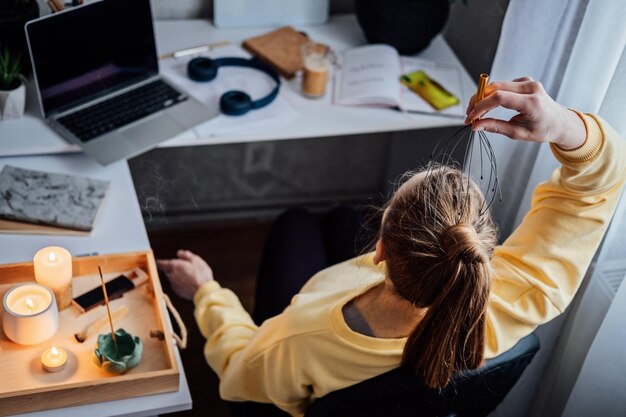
(153, 131)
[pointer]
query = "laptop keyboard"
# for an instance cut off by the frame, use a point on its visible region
(118, 111)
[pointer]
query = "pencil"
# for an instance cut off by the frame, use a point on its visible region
(194, 50)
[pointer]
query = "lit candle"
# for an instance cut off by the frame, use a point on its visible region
(30, 314)
(29, 304)
(54, 359)
(53, 268)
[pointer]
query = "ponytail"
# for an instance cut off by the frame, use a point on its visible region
(451, 336)
(441, 263)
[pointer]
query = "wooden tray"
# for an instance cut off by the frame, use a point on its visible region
(26, 387)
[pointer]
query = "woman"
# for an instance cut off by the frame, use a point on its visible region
(437, 295)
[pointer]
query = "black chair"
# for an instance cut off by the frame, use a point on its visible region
(400, 393)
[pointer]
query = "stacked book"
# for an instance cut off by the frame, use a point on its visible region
(39, 202)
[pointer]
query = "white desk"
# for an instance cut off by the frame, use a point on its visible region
(119, 228)
(316, 118)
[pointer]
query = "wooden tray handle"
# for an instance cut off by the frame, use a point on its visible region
(181, 341)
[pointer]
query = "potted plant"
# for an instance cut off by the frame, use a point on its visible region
(12, 88)
(407, 25)
(13, 16)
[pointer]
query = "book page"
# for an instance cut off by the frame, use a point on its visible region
(447, 75)
(369, 76)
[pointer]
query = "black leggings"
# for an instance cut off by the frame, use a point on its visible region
(299, 245)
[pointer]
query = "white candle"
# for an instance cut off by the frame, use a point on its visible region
(30, 304)
(53, 268)
(54, 359)
(30, 314)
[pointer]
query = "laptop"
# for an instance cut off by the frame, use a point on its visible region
(97, 76)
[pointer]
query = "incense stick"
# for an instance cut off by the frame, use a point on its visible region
(106, 302)
(94, 327)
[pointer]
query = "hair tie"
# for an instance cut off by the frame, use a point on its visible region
(461, 242)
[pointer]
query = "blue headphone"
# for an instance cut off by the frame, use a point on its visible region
(234, 102)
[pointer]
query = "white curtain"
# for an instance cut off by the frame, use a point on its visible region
(577, 50)
(536, 41)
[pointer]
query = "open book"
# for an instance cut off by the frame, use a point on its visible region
(370, 76)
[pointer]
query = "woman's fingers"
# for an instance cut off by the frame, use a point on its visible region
(538, 118)
(165, 265)
(506, 99)
(196, 260)
(523, 85)
(512, 130)
(170, 266)
(185, 254)
(186, 273)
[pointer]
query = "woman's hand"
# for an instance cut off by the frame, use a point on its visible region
(187, 273)
(540, 118)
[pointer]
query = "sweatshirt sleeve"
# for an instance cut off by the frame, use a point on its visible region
(249, 360)
(224, 322)
(538, 269)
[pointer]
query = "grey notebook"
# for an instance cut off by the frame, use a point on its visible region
(58, 200)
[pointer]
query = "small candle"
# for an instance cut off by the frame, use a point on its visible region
(54, 359)
(31, 314)
(53, 268)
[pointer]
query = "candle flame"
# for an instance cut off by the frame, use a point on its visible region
(54, 352)
(30, 304)
(52, 256)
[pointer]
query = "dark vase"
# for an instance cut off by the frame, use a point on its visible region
(12, 29)
(407, 25)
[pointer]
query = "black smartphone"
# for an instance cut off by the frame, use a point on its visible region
(115, 289)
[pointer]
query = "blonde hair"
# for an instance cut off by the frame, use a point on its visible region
(438, 243)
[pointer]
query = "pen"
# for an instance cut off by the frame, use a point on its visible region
(194, 50)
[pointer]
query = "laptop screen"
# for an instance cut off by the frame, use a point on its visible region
(88, 52)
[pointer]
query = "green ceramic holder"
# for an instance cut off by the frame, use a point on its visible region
(118, 360)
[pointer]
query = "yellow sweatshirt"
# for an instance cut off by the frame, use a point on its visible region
(309, 350)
